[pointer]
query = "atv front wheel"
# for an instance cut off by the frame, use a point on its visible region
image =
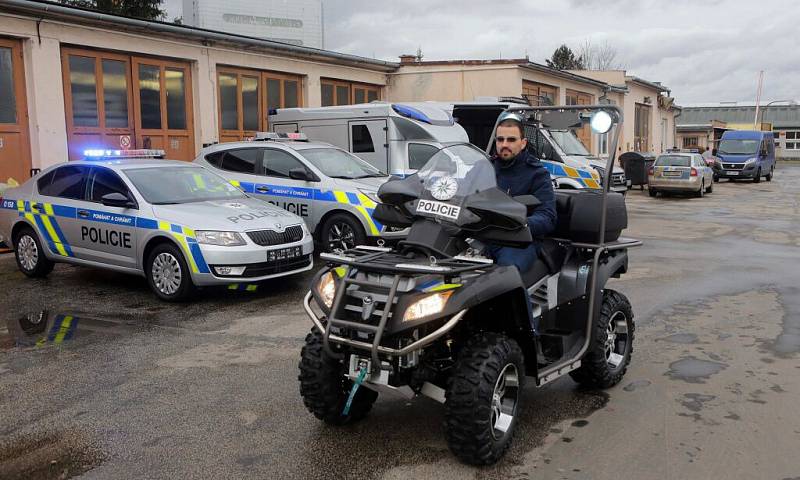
(482, 400)
(609, 354)
(325, 387)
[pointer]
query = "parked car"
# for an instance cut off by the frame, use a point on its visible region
(333, 190)
(680, 172)
(177, 224)
(747, 154)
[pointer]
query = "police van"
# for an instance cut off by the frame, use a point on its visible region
(177, 224)
(334, 191)
(397, 138)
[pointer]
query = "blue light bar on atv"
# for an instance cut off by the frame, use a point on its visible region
(411, 112)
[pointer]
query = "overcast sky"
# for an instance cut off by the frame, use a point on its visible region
(707, 51)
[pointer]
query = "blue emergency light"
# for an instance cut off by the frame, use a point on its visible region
(99, 154)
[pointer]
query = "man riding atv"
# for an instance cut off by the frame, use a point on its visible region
(432, 316)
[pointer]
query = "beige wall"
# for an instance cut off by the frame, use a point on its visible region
(42, 58)
(453, 82)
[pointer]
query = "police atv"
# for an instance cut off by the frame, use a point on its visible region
(432, 316)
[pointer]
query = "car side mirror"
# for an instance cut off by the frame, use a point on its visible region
(117, 199)
(300, 174)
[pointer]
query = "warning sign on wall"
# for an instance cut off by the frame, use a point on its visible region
(124, 141)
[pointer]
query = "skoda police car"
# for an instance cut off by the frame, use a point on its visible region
(334, 191)
(176, 223)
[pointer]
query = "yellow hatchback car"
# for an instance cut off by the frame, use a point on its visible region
(680, 172)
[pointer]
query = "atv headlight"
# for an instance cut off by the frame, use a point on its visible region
(326, 289)
(430, 305)
(224, 239)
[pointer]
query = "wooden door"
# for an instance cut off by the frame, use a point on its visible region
(163, 106)
(584, 133)
(15, 150)
(97, 100)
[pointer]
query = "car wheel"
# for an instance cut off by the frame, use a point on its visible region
(716, 178)
(710, 188)
(653, 192)
(167, 273)
(757, 178)
(701, 191)
(325, 388)
(483, 396)
(341, 232)
(609, 355)
(29, 253)
(770, 174)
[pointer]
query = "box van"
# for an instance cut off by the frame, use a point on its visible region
(555, 147)
(393, 137)
(747, 154)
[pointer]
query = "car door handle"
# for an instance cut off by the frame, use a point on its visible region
(37, 206)
(83, 213)
(262, 189)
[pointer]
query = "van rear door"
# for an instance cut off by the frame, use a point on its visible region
(369, 140)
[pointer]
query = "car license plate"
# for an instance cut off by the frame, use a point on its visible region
(439, 209)
(284, 254)
(731, 173)
(672, 174)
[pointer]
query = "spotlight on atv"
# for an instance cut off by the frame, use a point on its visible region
(601, 122)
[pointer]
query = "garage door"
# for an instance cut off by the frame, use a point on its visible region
(15, 152)
(121, 101)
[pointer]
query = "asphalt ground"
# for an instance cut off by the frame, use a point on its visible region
(112, 383)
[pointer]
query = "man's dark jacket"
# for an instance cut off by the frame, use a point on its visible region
(525, 175)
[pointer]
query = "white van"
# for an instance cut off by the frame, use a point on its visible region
(397, 138)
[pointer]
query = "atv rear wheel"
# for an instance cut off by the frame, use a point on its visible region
(325, 388)
(482, 401)
(609, 354)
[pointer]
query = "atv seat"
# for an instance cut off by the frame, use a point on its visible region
(551, 257)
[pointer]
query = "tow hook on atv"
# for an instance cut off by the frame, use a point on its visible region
(358, 382)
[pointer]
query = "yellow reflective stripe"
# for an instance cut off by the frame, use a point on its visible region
(188, 232)
(233, 286)
(30, 217)
(164, 226)
(41, 341)
(236, 183)
(53, 235)
(341, 197)
(48, 209)
(63, 329)
(198, 180)
(365, 200)
(444, 286)
(591, 183)
(252, 288)
(188, 252)
(366, 216)
(21, 205)
(571, 172)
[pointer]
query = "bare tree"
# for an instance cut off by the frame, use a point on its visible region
(598, 57)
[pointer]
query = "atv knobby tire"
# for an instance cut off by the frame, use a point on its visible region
(596, 371)
(469, 414)
(325, 388)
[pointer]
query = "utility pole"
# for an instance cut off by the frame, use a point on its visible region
(758, 98)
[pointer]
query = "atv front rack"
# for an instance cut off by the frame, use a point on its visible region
(379, 297)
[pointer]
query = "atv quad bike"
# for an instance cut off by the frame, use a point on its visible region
(432, 316)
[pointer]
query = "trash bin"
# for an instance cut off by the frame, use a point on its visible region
(636, 165)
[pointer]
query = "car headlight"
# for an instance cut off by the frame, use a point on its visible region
(306, 231)
(429, 305)
(371, 195)
(751, 160)
(224, 239)
(326, 289)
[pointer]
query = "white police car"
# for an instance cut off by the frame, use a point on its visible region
(177, 223)
(331, 189)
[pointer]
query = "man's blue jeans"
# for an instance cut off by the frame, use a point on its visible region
(522, 258)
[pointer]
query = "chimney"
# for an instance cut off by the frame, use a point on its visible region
(408, 59)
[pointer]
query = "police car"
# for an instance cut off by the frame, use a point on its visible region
(177, 223)
(331, 189)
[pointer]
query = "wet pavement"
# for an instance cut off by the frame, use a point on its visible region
(100, 379)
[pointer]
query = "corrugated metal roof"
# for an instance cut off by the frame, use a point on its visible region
(781, 116)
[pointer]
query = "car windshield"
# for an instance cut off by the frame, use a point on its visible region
(739, 147)
(337, 163)
(672, 161)
(173, 185)
(457, 171)
(569, 143)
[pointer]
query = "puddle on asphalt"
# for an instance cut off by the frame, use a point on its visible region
(40, 329)
(684, 338)
(695, 401)
(58, 455)
(694, 370)
(787, 343)
(636, 385)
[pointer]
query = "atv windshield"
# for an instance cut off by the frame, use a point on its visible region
(455, 172)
